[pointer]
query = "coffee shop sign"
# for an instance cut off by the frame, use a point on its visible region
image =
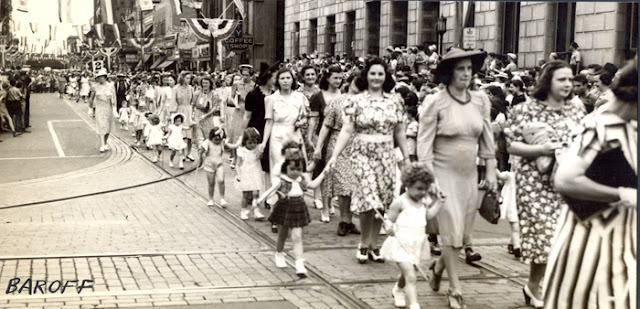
(238, 43)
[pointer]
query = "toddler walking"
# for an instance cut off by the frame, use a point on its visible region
(154, 135)
(290, 213)
(405, 225)
(210, 159)
(248, 170)
(123, 117)
(175, 139)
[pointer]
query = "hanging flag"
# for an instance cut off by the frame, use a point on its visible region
(177, 7)
(104, 12)
(200, 27)
(64, 11)
(240, 7)
(23, 6)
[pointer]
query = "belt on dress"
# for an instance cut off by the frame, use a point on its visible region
(374, 137)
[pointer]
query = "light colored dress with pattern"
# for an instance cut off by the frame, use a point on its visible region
(409, 243)
(451, 135)
(184, 97)
(250, 171)
(104, 102)
(340, 181)
(539, 205)
(284, 111)
(373, 159)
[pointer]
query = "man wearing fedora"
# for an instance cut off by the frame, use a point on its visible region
(122, 87)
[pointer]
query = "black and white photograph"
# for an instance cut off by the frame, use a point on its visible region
(318, 154)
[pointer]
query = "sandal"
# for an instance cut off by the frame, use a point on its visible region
(455, 301)
(435, 279)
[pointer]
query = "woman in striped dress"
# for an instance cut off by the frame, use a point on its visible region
(592, 263)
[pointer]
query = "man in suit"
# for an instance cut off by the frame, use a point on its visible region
(122, 87)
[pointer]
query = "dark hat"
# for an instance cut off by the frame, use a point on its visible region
(454, 55)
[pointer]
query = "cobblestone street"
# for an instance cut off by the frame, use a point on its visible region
(144, 235)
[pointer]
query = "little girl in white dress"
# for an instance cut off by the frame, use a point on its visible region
(175, 139)
(154, 134)
(407, 219)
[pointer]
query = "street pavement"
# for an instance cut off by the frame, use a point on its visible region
(143, 233)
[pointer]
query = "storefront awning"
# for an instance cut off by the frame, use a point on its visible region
(156, 63)
(165, 64)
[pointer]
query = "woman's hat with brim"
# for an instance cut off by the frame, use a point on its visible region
(101, 72)
(456, 54)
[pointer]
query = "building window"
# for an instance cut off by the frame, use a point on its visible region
(510, 27)
(430, 14)
(295, 40)
(632, 23)
(373, 28)
(400, 10)
(313, 34)
(566, 25)
(330, 46)
(349, 33)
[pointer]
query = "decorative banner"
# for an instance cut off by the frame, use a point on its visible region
(199, 27)
(137, 45)
(177, 7)
(221, 28)
(240, 7)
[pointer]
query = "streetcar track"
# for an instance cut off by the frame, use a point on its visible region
(349, 300)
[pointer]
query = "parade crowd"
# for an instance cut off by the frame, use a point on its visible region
(410, 143)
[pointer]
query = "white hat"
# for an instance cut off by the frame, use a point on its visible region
(102, 72)
(512, 56)
(432, 47)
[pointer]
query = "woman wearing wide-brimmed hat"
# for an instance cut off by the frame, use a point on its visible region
(450, 143)
(103, 98)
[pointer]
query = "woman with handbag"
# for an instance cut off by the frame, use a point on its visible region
(598, 177)
(538, 203)
(450, 144)
(103, 98)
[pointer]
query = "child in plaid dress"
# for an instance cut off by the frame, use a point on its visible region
(290, 212)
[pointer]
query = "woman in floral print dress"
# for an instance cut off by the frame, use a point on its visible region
(539, 204)
(376, 120)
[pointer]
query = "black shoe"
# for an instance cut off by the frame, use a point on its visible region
(510, 249)
(342, 229)
(267, 205)
(471, 256)
(351, 229)
(375, 256)
(16, 134)
(517, 252)
(274, 228)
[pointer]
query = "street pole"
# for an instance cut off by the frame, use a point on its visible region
(142, 39)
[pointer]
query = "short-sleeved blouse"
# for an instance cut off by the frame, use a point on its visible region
(285, 110)
(374, 115)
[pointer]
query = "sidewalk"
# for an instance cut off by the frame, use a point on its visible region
(159, 244)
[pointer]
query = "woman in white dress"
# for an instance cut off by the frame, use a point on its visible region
(84, 87)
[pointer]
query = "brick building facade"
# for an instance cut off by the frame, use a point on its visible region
(605, 31)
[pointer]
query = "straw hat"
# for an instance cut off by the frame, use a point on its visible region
(512, 56)
(454, 55)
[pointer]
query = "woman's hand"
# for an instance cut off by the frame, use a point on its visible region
(548, 148)
(317, 154)
(329, 165)
(628, 197)
(261, 148)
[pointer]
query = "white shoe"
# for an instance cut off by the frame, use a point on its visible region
(223, 203)
(398, 297)
(280, 261)
(127, 129)
(106, 147)
(324, 218)
(102, 149)
(257, 215)
(301, 271)
(414, 306)
(318, 204)
(244, 214)
(133, 134)
(171, 164)
(210, 203)
(155, 160)
(181, 165)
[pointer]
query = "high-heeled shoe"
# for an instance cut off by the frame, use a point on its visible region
(434, 281)
(531, 300)
(455, 301)
(375, 256)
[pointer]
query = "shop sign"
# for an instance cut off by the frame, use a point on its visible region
(185, 54)
(194, 52)
(203, 51)
(131, 58)
(234, 43)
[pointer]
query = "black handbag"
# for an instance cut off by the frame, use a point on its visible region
(490, 207)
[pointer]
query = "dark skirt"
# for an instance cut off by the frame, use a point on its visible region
(14, 107)
(290, 212)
